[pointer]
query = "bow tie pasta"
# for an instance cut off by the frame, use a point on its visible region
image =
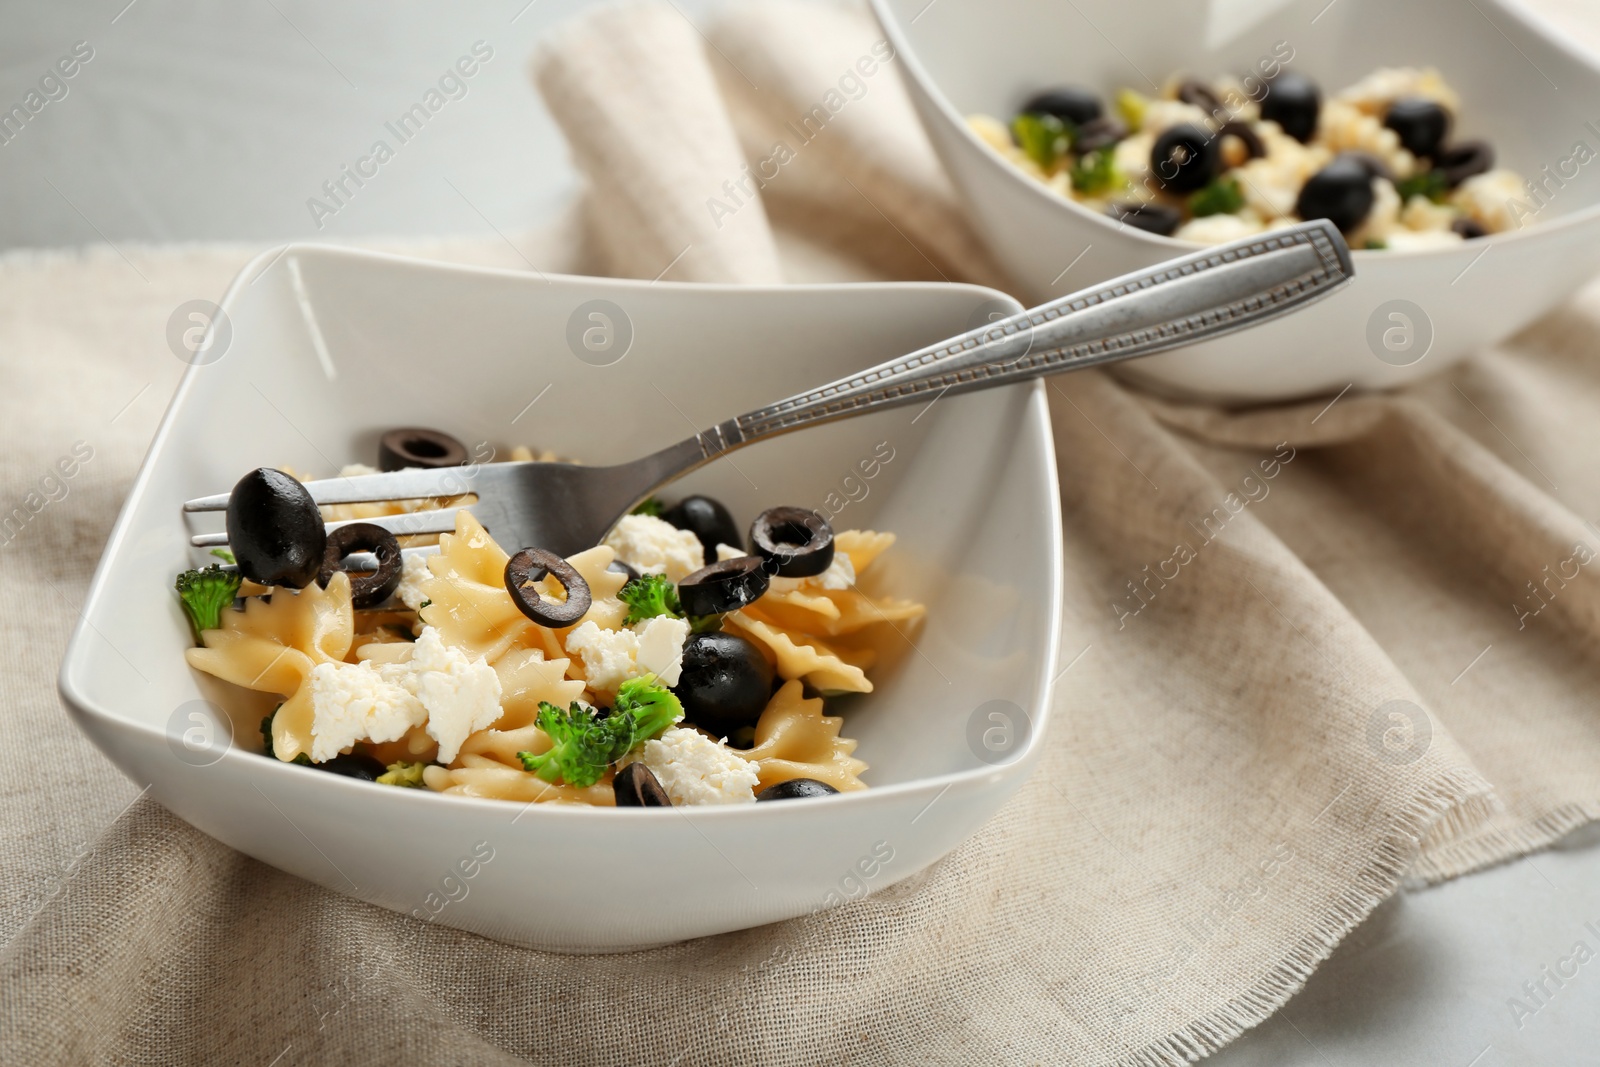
(273, 646)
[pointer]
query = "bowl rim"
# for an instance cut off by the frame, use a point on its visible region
(1168, 247)
(79, 704)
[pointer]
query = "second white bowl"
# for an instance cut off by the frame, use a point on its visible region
(1407, 314)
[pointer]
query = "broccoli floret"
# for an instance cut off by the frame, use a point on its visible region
(403, 774)
(1043, 138)
(648, 596)
(1430, 183)
(583, 744)
(204, 594)
(266, 742)
(1220, 197)
(1094, 172)
(649, 704)
(649, 506)
(224, 555)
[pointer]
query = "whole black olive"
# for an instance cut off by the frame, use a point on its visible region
(1184, 158)
(1293, 101)
(723, 587)
(367, 590)
(724, 684)
(796, 789)
(275, 531)
(1070, 103)
(1341, 192)
(708, 520)
(1421, 123)
(353, 765)
(414, 446)
(532, 564)
(794, 542)
(1253, 146)
(1461, 161)
(1151, 218)
(635, 786)
(1468, 228)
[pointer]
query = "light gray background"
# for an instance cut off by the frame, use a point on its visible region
(204, 121)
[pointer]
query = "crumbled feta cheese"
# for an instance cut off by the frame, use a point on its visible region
(655, 546)
(1214, 229)
(611, 657)
(606, 655)
(413, 572)
(661, 641)
(1384, 216)
(1421, 240)
(353, 702)
(1423, 215)
(1374, 93)
(1160, 115)
(1497, 201)
(439, 687)
(461, 693)
(1271, 183)
(1131, 156)
(694, 769)
(1341, 127)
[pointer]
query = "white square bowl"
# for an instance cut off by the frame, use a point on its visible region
(330, 347)
(1523, 88)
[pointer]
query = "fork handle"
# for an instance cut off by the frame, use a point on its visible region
(1179, 302)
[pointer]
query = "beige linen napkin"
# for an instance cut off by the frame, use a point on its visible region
(1301, 658)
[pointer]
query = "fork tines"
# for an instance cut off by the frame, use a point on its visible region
(415, 484)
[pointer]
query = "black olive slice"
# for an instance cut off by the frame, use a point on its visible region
(636, 787)
(1070, 103)
(796, 789)
(624, 568)
(1468, 228)
(796, 542)
(1462, 161)
(1200, 95)
(1101, 133)
(366, 590)
(1151, 218)
(275, 530)
(415, 446)
(532, 564)
(352, 765)
(723, 587)
(1247, 137)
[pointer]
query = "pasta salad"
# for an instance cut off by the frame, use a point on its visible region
(677, 663)
(1218, 160)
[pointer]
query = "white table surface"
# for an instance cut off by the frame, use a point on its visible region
(205, 121)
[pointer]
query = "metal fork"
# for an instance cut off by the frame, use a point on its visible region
(566, 508)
